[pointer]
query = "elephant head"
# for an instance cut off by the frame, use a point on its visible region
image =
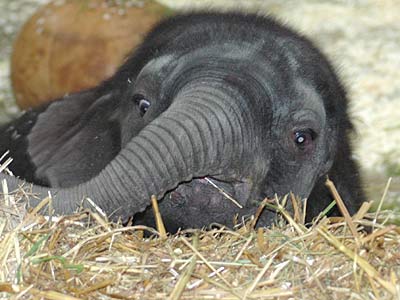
(235, 99)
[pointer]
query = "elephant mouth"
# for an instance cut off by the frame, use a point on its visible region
(206, 193)
(204, 201)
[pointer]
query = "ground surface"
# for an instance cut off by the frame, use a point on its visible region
(362, 38)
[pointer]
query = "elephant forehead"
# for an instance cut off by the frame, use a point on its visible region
(220, 54)
(309, 98)
(300, 101)
(232, 50)
(157, 65)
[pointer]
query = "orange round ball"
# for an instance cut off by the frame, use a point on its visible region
(68, 46)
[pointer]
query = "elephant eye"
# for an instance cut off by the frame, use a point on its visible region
(304, 139)
(142, 104)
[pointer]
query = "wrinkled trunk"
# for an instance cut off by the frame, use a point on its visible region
(205, 132)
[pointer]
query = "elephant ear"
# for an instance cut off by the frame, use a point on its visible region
(73, 139)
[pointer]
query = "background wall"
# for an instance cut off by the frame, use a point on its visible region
(362, 39)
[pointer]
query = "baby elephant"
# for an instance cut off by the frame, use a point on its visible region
(232, 100)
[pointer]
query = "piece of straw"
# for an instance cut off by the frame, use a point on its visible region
(157, 215)
(343, 209)
(185, 277)
(361, 262)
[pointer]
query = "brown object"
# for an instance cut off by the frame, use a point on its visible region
(72, 45)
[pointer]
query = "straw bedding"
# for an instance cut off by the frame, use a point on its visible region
(83, 256)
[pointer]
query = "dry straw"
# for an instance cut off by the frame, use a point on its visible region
(84, 256)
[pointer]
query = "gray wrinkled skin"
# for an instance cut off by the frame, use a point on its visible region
(238, 99)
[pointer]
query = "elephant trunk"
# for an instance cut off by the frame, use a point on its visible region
(205, 132)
